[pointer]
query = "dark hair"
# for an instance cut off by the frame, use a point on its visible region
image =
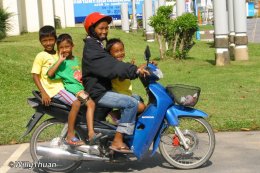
(46, 31)
(111, 42)
(63, 37)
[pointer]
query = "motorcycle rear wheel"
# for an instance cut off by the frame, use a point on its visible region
(200, 138)
(45, 135)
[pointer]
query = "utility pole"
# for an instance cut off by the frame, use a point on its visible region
(221, 33)
(180, 7)
(149, 31)
(124, 17)
(134, 20)
(231, 27)
(241, 40)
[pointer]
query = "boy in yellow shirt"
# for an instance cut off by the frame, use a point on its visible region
(53, 88)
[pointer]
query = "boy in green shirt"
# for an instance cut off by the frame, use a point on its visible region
(67, 68)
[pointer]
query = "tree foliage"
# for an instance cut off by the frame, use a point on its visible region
(178, 33)
(4, 25)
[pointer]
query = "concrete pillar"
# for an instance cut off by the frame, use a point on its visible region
(149, 31)
(124, 17)
(69, 13)
(46, 14)
(241, 40)
(195, 8)
(12, 7)
(180, 7)
(30, 15)
(231, 27)
(134, 20)
(59, 11)
(221, 33)
(143, 17)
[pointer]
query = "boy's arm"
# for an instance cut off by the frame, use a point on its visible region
(45, 97)
(54, 68)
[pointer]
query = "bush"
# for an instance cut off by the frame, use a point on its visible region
(184, 28)
(160, 22)
(57, 22)
(4, 25)
(176, 32)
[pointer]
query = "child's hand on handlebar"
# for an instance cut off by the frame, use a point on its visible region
(154, 62)
(142, 70)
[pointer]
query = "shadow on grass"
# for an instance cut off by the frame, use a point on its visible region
(211, 45)
(210, 61)
(7, 41)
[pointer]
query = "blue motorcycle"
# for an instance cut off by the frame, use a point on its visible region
(185, 139)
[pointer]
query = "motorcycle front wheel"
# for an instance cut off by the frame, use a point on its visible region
(49, 135)
(200, 138)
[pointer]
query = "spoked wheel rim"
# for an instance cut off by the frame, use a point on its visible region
(200, 139)
(48, 135)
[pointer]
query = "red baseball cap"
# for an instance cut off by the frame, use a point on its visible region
(93, 18)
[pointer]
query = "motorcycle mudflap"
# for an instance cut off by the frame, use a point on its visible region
(32, 122)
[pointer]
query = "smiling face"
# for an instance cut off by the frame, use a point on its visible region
(118, 51)
(102, 30)
(65, 48)
(48, 42)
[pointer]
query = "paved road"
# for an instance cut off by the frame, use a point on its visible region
(253, 30)
(235, 152)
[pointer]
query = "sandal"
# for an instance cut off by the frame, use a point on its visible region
(123, 149)
(74, 141)
(95, 138)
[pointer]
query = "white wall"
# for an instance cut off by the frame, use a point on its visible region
(46, 14)
(59, 11)
(12, 7)
(69, 13)
(31, 16)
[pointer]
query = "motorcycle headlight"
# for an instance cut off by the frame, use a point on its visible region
(158, 73)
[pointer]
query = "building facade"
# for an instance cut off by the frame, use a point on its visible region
(30, 15)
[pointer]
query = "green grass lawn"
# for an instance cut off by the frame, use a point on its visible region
(206, 27)
(230, 94)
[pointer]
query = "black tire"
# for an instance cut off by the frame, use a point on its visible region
(44, 135)
(198, 132)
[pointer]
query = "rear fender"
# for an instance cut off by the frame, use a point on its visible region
(176, 111)
(32, 122)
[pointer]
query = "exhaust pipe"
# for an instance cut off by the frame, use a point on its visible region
(60, 153)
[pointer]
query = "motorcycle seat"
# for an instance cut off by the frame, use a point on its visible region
(100, 112)
(54, 102)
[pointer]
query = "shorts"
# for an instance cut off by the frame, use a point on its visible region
(82, 96)
(65, 97)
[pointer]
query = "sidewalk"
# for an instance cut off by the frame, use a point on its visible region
(236, 152)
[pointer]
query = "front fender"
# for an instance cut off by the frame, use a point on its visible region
(176, 111)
